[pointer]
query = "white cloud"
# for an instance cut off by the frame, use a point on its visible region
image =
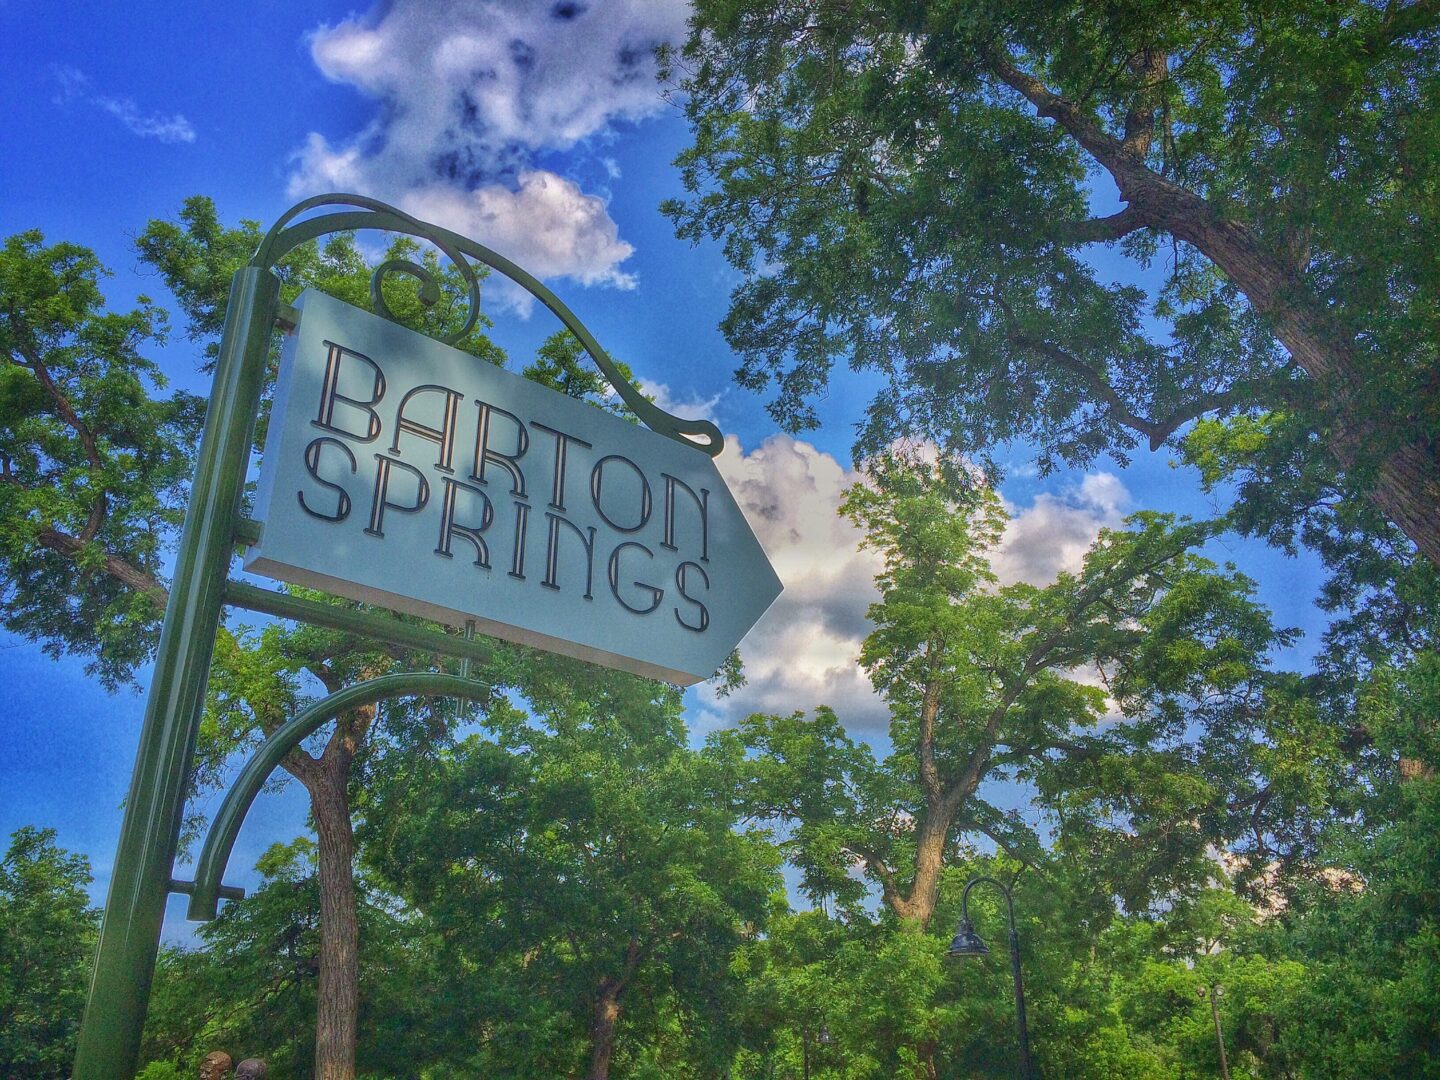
(1055, 531)
(685, 406)
(469, 93)
(547, 224)
(804, 652)
(74, 85)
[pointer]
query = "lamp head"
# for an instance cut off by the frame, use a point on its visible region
(967, 942)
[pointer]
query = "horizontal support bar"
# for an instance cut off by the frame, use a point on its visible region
(224, 892)
(364, 623)
(247, 531)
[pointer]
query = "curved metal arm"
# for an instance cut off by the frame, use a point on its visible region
(1027, 1066)
(206, 892)
(965, 898)
(284, 237)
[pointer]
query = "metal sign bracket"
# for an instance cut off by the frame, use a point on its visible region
(109, 1039)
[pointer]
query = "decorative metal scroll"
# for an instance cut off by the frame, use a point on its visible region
(288, 233)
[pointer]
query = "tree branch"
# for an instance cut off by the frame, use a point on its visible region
(1150, 64)
(1157, 431)
(876, 866)
(122, 571)
(929, 709)
(63, 405)
(1104, 229)
(1401, 21)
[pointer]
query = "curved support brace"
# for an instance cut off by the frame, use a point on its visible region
(206, 892)
(965, 898)
(283, 237)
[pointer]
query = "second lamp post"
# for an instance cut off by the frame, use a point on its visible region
(968, 943)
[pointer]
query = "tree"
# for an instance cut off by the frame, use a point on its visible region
(909, 187)
(583, 870)
(987, 682)
(94, 459)
(95, 470)
(251, 989)
(47, 935)
(1384, 598)
(260, 680)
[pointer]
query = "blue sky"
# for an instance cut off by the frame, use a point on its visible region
(536, 129)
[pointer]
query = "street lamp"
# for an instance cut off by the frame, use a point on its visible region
(968, 943)
(1214, 994)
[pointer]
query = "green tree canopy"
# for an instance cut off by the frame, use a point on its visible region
(588, 868)
(909, 187)
(95, 459)
(47, 934)
(1132, 695)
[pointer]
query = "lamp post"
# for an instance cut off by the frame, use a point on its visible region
(968, 943)
(1213, 995)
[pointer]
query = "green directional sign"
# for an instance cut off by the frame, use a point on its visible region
(401, 471)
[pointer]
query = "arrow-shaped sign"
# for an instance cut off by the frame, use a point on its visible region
(403, 472)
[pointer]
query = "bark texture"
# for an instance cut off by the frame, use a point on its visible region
(602, 1029)
(338, 999)
(326, 780)
(605, 1017)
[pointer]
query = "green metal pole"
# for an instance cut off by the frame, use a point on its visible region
(109, 1040)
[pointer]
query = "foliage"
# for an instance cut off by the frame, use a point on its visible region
(1132, 696)
(47, 934)
(558, 882)
(587, 867)
(250, 989)
(909, 188)
(94, 459)
(197, 255)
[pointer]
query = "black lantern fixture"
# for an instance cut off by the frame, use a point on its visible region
(968, 943)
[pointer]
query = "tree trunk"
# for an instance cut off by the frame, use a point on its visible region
(929, 862)
(1406, 483)
(602, 1028)
(339, 992)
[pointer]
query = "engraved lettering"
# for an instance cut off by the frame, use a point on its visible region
(597, 481)
(330, 395)
(381, 501)
(702, 503)
(485, 454)
(522, 526)
(312, 466)
(450, 528)
(552, 553)
(562, 444)
(656, 595)
(680, 583)
(443, 436)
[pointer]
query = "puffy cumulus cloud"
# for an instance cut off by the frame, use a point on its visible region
(561, 231)
(469, 92)
(1053, 533)
(804, 651)
(504, 73)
